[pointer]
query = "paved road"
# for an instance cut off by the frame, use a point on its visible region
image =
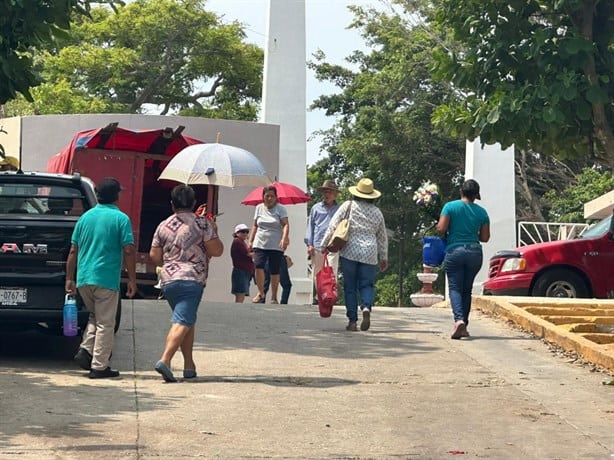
(279, 382)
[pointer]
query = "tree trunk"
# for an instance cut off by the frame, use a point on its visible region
(601, 127)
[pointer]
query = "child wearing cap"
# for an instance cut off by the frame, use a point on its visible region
(242, 263)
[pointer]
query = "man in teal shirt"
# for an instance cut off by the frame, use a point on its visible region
(101, 238)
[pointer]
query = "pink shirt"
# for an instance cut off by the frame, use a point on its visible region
(182, 238)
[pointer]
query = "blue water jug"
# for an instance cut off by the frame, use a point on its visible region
(71, 326)
(433, 250)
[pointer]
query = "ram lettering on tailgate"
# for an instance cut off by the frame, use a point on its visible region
(26, 248)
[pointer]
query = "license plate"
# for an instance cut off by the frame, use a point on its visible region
(13, 296)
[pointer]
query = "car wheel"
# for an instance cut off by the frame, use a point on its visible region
(118, 315)
(560, 283)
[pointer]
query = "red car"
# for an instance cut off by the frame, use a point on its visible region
(581, 268)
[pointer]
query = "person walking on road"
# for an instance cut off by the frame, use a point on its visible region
(242, 263)
(101, 237)
(319, 218)
(183, 244)
(269, 238)
(366, 246)
(465, 224)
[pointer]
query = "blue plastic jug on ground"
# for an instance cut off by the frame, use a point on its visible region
(433, 250)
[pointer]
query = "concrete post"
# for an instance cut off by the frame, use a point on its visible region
(284, 104)
(493, 168)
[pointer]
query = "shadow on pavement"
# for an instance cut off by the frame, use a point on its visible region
(44, 394)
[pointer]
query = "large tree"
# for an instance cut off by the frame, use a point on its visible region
(26, 24)
(534, 73)
(171, 56)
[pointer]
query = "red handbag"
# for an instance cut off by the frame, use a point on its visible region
(326, 288)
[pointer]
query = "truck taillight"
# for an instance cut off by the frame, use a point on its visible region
(514, 265)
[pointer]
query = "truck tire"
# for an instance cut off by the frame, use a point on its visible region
(118, 315)
(560, 282)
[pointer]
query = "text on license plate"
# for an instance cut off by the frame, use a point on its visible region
(13, 296)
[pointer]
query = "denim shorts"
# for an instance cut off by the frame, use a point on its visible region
(240, 281)
(184, 297)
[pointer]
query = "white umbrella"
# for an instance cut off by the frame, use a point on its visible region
(216, 164)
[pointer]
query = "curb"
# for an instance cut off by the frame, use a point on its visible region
(514, 309)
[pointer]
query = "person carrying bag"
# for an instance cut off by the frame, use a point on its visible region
(364, 252)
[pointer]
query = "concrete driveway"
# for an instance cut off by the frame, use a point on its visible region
(278, 381)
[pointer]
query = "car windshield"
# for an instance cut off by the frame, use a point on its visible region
(598, 229)
(26, 198)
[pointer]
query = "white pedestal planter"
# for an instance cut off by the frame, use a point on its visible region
(426, 297)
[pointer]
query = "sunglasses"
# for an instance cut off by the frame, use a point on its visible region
(243, 231)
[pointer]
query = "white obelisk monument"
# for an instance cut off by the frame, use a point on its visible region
(284, 104)
(493, 168)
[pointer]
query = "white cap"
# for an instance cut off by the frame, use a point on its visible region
(240, 227)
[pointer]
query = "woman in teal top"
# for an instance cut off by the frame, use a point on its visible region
(465, 224)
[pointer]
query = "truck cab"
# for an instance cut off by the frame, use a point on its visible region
(38, 213)
(577, 268)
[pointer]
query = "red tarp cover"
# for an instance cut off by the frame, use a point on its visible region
(115, 139)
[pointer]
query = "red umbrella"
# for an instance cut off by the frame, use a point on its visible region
(286, 194)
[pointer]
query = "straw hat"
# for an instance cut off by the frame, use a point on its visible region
(328, 185)
(12, 162)
(365, 189)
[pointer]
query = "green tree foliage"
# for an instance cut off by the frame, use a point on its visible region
(171, 56)
(568, 205)
(26, 24)
(534, 73)
(384, 130)
(537, 174)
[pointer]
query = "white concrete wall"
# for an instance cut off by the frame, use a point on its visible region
(284, 104)
(493, 168)
(44, 136)
(599, 207)
(11, 138)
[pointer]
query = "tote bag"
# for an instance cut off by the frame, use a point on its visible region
(341, 233)
(326, 288)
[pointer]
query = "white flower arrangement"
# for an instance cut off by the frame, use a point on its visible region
(427, 194)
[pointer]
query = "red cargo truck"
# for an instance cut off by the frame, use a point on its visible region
(136, 159)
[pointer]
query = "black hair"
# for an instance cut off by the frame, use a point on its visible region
(269, 188)
(362, 198)
(183, 197)
(471, 189)
(107, 190)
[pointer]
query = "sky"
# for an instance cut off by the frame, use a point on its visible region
(326, 23)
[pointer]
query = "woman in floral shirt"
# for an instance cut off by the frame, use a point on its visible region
(183, 244)
(367, 247)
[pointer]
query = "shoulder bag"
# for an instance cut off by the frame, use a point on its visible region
(341, 233)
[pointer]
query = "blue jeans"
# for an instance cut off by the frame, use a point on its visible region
(358, 278)
(462, 264)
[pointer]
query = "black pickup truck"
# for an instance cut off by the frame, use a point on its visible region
(38, 212)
